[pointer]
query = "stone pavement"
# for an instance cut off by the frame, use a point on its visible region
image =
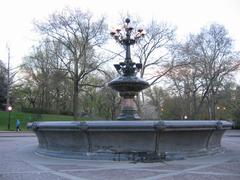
(19, 162)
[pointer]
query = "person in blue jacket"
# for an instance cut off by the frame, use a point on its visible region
(18, 125)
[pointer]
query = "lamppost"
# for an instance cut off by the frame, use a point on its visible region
(221, 111)
(8, 79)
(9, 108)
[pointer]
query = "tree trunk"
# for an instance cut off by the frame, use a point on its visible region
(57, 108)
(213, 107)
(75, 99)
(195, 111)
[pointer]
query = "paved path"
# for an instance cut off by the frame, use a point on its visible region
(18, 162)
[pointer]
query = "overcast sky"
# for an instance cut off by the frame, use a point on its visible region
(189, 16)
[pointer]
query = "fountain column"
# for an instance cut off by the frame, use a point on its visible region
(128, 84)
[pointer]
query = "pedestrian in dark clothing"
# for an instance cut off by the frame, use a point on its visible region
(18, 123)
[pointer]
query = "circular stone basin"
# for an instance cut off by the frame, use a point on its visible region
(128, 83)
(129, 140)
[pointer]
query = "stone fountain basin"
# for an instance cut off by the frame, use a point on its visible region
(129, 140)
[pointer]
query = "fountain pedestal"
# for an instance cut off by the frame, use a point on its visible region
(128, 110)
(128, 87)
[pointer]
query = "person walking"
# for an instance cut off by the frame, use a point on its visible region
(18, 125)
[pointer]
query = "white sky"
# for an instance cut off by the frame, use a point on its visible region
(16, 17)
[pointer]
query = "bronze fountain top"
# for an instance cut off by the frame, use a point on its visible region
(128, 84)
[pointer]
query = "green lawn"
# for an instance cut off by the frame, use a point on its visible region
(28, 117)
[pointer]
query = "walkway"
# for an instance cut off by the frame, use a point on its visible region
(18, 162)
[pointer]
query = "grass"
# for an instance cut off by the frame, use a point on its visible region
(28, 117)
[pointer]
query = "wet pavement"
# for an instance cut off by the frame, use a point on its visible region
(19, 162)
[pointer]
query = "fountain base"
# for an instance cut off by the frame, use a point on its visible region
(129, 140)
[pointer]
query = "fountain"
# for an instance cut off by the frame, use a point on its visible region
(129, 138)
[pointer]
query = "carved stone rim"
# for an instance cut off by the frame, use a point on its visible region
(131, 125)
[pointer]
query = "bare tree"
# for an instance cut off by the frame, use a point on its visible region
(77, 35)
(3, 85)
(44, 71)
(156, 97)
(152, 50)
(212, 62)
(186, 85)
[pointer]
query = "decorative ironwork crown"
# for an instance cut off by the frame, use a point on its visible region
(127, 37)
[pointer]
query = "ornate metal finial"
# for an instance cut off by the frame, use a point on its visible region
(127, 37)
(127, 20)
